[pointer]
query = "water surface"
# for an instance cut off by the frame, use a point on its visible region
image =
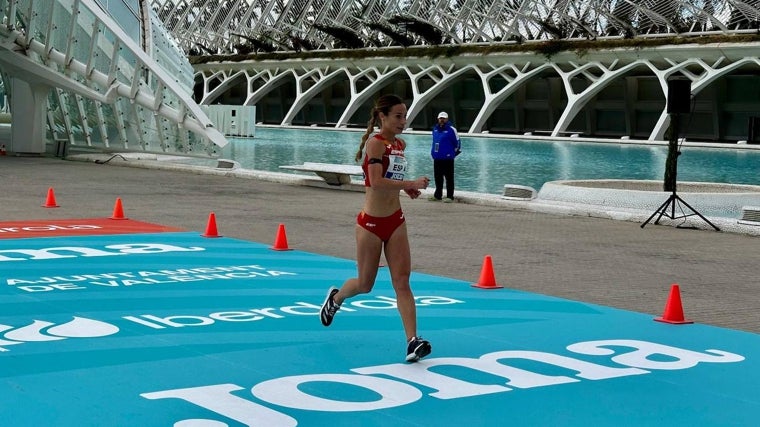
(488, 163)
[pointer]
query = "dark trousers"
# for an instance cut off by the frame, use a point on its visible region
(444, 169)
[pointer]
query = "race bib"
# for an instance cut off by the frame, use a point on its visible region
(396, 167)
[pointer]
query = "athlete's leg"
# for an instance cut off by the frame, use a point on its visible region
(368, 250)
(398, 256)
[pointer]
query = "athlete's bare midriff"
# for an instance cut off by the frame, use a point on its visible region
(381, 203)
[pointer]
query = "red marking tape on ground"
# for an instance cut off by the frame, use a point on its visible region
(77, 227)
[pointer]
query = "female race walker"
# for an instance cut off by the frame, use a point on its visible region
(380, 224)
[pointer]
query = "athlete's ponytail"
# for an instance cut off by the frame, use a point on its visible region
(365, 137)
(382, 105)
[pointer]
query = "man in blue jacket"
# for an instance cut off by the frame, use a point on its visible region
(446, 146)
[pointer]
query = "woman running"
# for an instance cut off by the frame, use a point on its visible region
(380, 226)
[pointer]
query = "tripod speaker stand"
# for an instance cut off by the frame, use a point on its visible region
(679, 93)
(668, 209)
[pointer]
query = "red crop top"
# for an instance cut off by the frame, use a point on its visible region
(394, 162)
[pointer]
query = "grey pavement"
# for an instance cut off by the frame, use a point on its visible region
(569, 255)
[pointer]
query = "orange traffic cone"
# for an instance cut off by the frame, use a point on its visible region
(673, 308)
(211, 227)
(487, 278)
(281, 241)
(50, 201)
(118, 210)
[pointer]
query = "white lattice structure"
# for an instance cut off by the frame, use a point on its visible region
(227, 26)
(92, 79)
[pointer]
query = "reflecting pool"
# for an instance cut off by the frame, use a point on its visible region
(487, 164)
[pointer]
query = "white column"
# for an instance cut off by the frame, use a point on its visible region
(29, 104)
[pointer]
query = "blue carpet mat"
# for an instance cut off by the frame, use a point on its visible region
(175, 329)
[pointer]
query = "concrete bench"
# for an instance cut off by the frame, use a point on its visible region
(333, 174)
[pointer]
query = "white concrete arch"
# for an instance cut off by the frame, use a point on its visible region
(577, 101)
(421, 99)
(493, 100)
(658, 132)
(358, 97)
(227, 78)
(699, 82)
(272, 78)
(714, 74)
(322, 77)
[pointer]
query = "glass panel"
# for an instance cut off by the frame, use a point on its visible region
(101, 60)
(82, 37)
(40, 23)
(126, 61)
(124, 13)
(147, 127)
(124, 109)
(91, 119)
(59, 38)
(169, 56)
(3, 10)
(55, 109)
(75, 119)
(23, 8)
(109, 113)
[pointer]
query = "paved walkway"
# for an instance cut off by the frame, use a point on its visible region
(603, 261)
